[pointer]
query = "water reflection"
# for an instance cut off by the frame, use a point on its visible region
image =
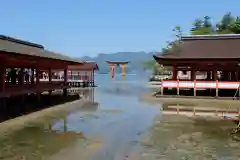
(222, 112)
(37, 140)
(121, 123)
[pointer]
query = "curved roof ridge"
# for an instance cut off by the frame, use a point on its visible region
(211, 36)
(19, 41)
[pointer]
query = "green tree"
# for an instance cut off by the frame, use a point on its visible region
(197, 25)
(223, 27)
(207, 22)
(235, 26)
(173, 46)
(202, 27)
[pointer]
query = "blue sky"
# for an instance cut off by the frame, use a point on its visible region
(89, 27)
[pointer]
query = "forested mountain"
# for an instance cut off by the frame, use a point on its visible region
(136, 59)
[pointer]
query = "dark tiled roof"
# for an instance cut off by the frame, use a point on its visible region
(93, 65)
(118, 62)
(17, 46)
(212, 37)
(85, 66)
(207, 47)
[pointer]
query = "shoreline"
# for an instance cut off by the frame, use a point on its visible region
(191, 102)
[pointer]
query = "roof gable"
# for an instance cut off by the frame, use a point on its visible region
(207, 46)
(17, 46)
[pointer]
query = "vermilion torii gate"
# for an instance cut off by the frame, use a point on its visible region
(113, 64)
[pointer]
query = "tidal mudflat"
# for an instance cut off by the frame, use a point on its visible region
(118, 125)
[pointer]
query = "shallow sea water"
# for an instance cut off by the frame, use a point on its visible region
(119, 126)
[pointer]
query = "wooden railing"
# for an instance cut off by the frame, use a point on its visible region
(200, 84)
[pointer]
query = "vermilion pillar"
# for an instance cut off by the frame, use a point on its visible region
(86, 76)
(50, 74)
(214, 74)
(79, 78)
(32, 76)
(50, 78)
(71, 75)
(65, 81)
(174, 73)
(112, 70)
(22, 76)
(2, 78)
(37, 76)
(123, 66)
(92, 77)
(193, 74)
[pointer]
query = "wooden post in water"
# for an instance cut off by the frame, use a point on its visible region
(216, 88)
(65, 124)
(162, 89)
(178, 87)
(194, 89)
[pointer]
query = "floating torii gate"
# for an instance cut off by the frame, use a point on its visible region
(113, 64)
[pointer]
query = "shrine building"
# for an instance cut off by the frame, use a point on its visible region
(22, 65)
(211, 64)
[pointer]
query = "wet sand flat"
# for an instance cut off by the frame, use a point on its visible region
(19, 122)
(196, 102)
(174, 137)
(32, 136)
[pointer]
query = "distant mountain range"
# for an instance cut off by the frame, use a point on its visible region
(136, 59)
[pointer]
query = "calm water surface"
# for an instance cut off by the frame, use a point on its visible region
(118, 126)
